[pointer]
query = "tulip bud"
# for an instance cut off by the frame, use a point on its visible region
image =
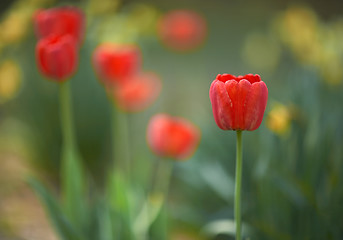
(137, 92)
(182, 30)
(172, 136)
(57, 57)
(60, 21)
(115, 63)
(238, 103)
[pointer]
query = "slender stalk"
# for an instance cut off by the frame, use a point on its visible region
(66, 116)
(73, 184)
(120, 145)
(162, 177)
(238, 185)
(164, 174)
(120, 174)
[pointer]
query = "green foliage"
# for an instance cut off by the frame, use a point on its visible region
(62, 225)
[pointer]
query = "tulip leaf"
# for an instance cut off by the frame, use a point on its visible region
(74, 189)
(59, 220)
(218, 180)
(148, 213)
(105, 222)
(118, 197)
(224, 226)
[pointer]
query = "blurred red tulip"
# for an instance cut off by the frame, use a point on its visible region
(116, 63)
(238, 103)
(60, 21)
(172, 137)
(182, 30)
(57, 56)
(137, 92)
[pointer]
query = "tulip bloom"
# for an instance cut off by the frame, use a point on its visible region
(116, 63)
(182, 30)
(172, 136)
(60, 21)
(57, 57)
(137, 92)
(238, 103)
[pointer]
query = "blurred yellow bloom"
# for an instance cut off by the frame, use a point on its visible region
(298, 28)
(331, 68)
(17, 21)
(14, 27)
(126, 27)
(330, 60)
(143, 18)
(10, 80)
(279, 119)
(313, 42)
(100, 7)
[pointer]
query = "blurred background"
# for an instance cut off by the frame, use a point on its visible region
(293, 164)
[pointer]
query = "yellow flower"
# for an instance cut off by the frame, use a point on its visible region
(102, 7)
(14, 27)
(279, 119)
(299, 29)
(10, 79)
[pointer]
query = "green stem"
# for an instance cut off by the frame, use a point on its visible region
(120, 175)
(66, 116)
(163, 176)
(73, 184)
(120, 144)
(238, 185)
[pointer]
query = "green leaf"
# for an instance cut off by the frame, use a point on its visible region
(105, 222)
(148, 214)
(118, 198)
(224, 226)
(74, 189)
(58, 219)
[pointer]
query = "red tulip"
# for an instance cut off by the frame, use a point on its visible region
(116, 63)
(60, 21)
(137, 92)
(172, 137)
(238, 103)
(182, 29)
(57, 56)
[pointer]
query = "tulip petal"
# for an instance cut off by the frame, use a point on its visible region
(172, 137)
(244, 88)
(225, 77)
(255, 106)
(231, 87)
(250, 77)
(114, 63)
(57, 56)
(222, 106)
(138, 92)
(60, 21)
(41, 58)
(183, 139)
(155, 133)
